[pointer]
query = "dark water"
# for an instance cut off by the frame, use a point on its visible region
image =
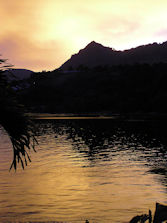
(100, 170)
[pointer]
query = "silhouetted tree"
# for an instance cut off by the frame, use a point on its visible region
(14, 121)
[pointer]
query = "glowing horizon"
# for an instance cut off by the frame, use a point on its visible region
(42, 35)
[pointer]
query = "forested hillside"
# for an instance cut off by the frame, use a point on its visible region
(139, 88)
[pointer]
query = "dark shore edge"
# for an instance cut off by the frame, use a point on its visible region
(131, 117)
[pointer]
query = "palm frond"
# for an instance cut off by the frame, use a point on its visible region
(18, 126)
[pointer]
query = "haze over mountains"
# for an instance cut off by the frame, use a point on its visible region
(95, 54)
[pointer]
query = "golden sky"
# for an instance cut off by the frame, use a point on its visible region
(43, 34)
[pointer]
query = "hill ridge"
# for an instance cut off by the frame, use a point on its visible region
(95, 54)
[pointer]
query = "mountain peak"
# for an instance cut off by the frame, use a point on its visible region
(93, 44)
(95, 54)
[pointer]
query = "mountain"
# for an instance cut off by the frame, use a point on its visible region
(138, 86)
(95, 54)
(18, 74)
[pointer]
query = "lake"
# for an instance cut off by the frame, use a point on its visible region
(102, 170)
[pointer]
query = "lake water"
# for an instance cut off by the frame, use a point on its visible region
(100, 170)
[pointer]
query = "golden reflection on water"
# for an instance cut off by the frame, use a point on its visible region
(62, 184)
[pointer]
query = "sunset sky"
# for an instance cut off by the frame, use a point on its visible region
(43, 34)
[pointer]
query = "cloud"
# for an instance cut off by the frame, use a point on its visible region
(26, 53)
(43, 34)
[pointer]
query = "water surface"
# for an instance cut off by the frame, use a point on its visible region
(100, 170)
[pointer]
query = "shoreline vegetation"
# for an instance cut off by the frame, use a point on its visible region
(127, 90)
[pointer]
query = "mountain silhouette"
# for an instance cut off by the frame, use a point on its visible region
(18, 74)
(95, 54)
(102, 80)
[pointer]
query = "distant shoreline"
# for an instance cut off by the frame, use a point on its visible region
(71, 116)
(118, 117)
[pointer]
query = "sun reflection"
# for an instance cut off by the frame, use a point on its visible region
(76, 175)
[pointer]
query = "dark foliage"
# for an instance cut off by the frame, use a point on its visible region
(18, 126)
(139, 88)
